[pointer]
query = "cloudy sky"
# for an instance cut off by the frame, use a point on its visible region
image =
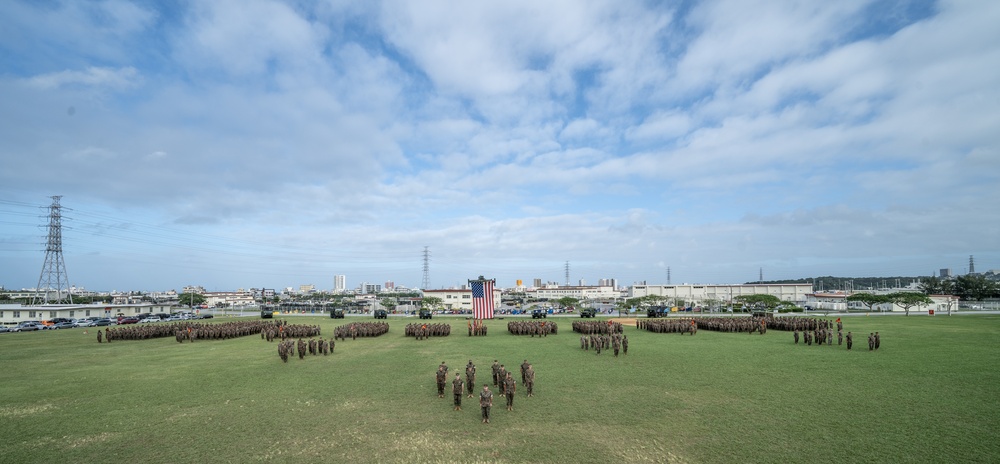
(263, 143)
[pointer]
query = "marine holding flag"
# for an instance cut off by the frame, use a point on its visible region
(482, 298)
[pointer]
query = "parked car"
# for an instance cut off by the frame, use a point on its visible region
(4, 329)
(101, 322)
(86, 322)
(149, 319)
(128, 320)
(28, 326)
(63, 325)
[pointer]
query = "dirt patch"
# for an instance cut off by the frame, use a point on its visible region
(14, 411)
(630, 321)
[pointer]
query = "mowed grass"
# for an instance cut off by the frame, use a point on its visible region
(930, 394)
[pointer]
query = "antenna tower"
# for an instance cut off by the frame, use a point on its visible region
(761, 277)
(567, 273)
(668, 275)
(427, 269)
(972, 265)
(53, 276)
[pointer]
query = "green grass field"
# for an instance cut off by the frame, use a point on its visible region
(930, 394)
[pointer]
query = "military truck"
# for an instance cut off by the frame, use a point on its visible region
(425, 314)
(588, 312)
(336, 313)
(657, 311)
(266, 312)
(539, 314)
(381, 314)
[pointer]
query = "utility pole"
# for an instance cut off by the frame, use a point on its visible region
(53, 274)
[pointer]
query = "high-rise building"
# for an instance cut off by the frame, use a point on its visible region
(389, 285)
(538, 283)
(339, 283)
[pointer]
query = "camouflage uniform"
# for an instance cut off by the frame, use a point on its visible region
(486, 402)
(457, 388)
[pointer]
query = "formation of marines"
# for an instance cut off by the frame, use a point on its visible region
(477, 328)
(818, 331)
(602, 342)
(678, 326)
(185, 330)
(422, 331)
(540, 328)
(288, 347)
(733, 324)
(800, 323)
(597, 327)
(283, 330)
(502, 379)
(360, 329)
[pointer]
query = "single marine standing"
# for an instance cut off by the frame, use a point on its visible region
(486, 402)
(458, 388)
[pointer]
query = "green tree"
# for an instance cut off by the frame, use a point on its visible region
(868, 299)
(936, 286)
(431, 302)
(568, 301)
(975, 287)
(191, 299)
(388, 303)
(759, 301)
(908, 300)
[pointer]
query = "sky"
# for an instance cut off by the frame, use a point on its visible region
(245, 143)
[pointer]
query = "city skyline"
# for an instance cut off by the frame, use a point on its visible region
(266, 143)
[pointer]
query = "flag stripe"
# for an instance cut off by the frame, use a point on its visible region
(482, 299)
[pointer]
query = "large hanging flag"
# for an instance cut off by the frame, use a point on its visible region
(482, 299)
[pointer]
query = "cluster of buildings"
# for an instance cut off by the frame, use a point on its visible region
(709, 297)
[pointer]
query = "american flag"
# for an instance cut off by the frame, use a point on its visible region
(482, 299)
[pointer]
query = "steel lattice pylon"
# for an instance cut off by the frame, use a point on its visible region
(53, 278)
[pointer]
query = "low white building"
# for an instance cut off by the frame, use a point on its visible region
(14, 313)
(702, 295)
(580, 292)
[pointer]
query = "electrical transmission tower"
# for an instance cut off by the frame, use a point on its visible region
(972, 265)
(426, 284)
(53, 276)
(567, 273)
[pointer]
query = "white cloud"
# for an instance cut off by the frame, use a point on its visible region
(111, 78)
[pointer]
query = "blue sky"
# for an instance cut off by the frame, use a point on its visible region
(263, 143)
